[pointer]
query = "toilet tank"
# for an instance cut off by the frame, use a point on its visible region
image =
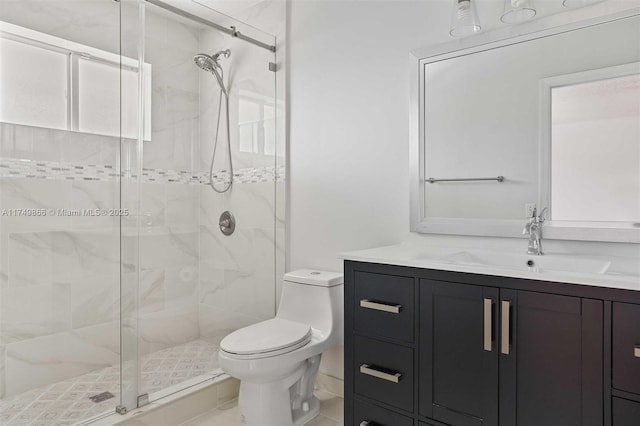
(314, 297)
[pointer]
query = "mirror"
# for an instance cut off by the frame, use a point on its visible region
(546, 119)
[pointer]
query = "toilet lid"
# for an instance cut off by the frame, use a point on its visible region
(266, 336)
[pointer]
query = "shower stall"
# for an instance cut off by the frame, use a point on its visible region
(141, 200)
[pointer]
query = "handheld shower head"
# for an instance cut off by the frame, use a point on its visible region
(206, 62)
(210, 62)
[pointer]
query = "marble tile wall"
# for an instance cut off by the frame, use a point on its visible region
(59, 291)
(237, 285)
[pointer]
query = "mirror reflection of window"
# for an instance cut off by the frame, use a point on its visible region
(595, 150)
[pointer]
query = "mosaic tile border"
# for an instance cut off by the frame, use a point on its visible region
(53, 170)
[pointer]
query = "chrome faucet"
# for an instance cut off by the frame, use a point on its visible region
(533, 229)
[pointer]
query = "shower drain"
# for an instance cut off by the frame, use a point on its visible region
(101, 397)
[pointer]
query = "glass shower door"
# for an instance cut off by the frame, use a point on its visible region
(59, 210)
(185, 284)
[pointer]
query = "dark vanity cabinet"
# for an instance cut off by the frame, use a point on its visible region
(427, 347)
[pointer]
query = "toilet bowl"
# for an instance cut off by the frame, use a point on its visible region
(277, 360)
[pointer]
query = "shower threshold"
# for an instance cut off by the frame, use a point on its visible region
(82, 399)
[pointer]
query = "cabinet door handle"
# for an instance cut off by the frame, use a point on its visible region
(506, 312)
(368, 423)
(636, 351)
(488, 321)
(371, 371)
(379, 306)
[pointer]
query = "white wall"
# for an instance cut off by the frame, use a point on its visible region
(349, 122)
(349, 104)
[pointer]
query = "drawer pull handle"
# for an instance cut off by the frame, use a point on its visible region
(374, 372)
(636, 351)
(368, 423)
(488, 320)
(506, 328)
(379, 306)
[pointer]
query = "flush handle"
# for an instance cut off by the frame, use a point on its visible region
(636, 351)
(380, 306)
(389, 376)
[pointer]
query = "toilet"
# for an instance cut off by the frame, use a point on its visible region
(277, 360)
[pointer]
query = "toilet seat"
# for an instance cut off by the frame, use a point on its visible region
(266, 339)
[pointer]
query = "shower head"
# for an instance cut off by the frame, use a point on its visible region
(208, 62)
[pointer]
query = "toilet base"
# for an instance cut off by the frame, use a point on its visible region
(286, 402)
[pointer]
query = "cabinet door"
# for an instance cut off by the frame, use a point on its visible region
(551, 364)
(625, 412)
(626, 347)
(458, 353)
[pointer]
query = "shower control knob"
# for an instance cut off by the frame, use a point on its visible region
(227, 223)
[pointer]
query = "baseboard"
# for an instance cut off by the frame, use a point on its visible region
(330, 384)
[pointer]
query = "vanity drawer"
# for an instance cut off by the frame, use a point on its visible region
(384, 372)
(625, 412)
(626, 347)
(371, 415)
(384, 305)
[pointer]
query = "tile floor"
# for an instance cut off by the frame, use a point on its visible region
(67, 402)
(331, 413)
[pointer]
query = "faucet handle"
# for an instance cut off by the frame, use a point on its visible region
(541, 217)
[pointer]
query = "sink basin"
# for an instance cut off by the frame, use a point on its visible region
(525, 262)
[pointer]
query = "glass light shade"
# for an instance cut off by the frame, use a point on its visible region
(574, 4)
(516, 11)
(464, 19)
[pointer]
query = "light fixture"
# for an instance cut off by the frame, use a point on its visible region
(574, 4)
(464, 19)
(516, 11)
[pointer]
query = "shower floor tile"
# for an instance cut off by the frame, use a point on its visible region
(67, 402)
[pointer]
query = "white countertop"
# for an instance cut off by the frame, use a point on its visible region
(619, 273)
